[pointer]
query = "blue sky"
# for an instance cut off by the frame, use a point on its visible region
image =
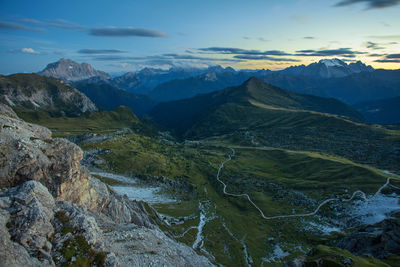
(118, 36)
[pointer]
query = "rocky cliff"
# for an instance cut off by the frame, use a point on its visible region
(53, 213)
(69, 70)
(32, 92)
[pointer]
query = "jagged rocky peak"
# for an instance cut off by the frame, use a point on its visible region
(70, 70)
(149, 71)
(219, 69)
(359, 66)
(328, 68)
(129, 75)
(353, 67)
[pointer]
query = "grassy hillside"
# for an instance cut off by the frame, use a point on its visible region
(384, 111)
(280, 118)
(279, 181)
(182, 115)
(90, 122)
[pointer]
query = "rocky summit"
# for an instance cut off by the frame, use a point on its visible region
(69, 70)
(53, 213)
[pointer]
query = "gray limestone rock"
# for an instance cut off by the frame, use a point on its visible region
(47, 199)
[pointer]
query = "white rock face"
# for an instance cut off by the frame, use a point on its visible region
(69, 70)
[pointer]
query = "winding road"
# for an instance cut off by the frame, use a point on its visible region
(358, 192)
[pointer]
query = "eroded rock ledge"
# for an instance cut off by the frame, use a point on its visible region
(52, 212)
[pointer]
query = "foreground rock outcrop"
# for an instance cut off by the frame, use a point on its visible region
(52, 212)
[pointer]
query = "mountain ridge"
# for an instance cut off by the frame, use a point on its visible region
(254, 89)
(328, 68)
(108, 97)
(34, 92)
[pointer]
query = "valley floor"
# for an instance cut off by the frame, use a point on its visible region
(247, 205)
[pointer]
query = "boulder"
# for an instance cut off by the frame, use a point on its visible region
(380, 240)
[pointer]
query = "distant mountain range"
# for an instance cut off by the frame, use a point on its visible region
(351, 83)
(351, 89)
(129, 82)
(328, 68)
(189, 87)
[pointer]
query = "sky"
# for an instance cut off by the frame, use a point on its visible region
(128, 35)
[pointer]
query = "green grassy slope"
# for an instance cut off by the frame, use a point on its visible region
(182, 115)
(279, 181)
(89, 122)
(280, 118)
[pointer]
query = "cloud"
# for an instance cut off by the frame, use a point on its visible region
(266, 55)
(300, 18)
(164, 57)
(25, 51)
(58, 23)
(125, 32)
(191, 57)
(16, 27)
(224, 50)
(385, 37)
(344, 52)
(309, 38)
(393, 56)
(239, 51)
(377, 55)
(59, 53)
(166, 60)
(373, 46)
(257, 57)
(371, 4)
(388, 60)
(117, 58)
(306, 51)
(385, 24)
(100, 51)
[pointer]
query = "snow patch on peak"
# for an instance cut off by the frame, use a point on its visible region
(210, 76)
(334, 62)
